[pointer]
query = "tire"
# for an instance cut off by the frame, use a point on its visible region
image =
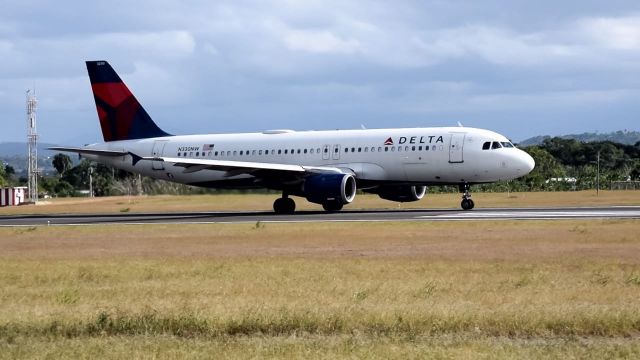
(284, 206)
(332, 206)
(467, 204)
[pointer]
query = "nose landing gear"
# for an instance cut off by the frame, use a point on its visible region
(467, 203)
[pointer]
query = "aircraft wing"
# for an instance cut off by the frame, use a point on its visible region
(244, 167)
(110, 153)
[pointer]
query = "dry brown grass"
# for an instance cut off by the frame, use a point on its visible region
(455, 241)
(534, 289)
(168, 203)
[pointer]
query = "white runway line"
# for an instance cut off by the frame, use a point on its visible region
(537, 214)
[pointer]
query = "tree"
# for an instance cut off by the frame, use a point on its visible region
(3, 176)
(547, 167)
(62, 163)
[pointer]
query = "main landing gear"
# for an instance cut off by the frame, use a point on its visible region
(284, 205)
(332, 206)
(467, 203)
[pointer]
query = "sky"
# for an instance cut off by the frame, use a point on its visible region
(521, 68)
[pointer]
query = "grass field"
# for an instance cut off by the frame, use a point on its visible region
(509, 289)
(264, 202)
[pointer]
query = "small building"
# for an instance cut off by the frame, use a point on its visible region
(13, 195)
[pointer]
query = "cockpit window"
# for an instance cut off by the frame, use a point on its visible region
(496, 145)
(507, 144)
(486, 146)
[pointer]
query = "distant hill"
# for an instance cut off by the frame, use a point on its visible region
(621, 137)
(15, 155)
(8, 149)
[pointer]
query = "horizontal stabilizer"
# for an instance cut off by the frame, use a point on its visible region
(111, 153)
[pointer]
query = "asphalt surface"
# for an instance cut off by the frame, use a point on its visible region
(479, 214)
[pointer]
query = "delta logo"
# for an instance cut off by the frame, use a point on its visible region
(431, 139)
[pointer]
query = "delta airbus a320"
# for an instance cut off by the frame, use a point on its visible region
(324, 167)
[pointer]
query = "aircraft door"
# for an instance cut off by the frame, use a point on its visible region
(456, 146)
(158, 149)
(325, 152)
(336, 152)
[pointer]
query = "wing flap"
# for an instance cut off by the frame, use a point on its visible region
(193, 165)
(239, 167)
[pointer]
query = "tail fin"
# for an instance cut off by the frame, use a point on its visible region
(121, 115)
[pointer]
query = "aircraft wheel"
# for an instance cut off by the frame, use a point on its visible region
(332, 206)
(284, 206)
(467, 204)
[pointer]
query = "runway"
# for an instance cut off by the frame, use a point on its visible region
(610, 212)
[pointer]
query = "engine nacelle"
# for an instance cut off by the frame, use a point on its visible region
(403, 193)
(324, 188)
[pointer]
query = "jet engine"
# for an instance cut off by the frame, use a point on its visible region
(330, 188)
(401, 193)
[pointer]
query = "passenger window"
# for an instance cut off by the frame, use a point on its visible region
(379, 148)
(305, 151)
(486, 146)
(359, 149)
(298, 151)
(346, 149)
(496, 145)
(215, 154)
(259, 152)
(386, 148)
(197, 154)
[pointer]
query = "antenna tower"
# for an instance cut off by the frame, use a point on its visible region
(32, 141)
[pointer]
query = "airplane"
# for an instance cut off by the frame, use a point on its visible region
(324, 167)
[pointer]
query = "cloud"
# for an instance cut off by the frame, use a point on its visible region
(229, 65)
(621, 33)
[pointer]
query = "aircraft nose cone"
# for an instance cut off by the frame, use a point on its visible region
(526, 163)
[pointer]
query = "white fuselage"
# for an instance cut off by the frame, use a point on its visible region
(439, 155)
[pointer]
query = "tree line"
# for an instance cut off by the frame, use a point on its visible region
(561, 164)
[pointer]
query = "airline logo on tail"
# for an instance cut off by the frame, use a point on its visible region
(121, 115)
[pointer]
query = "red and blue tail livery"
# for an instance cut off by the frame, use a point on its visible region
(121, 115)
